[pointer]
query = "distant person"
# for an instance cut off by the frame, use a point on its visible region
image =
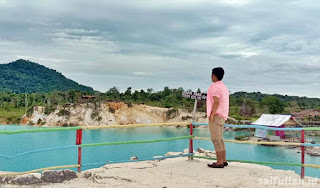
(217, 112)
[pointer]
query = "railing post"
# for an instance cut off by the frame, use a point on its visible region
(191, 141)
(79, 142)
(302, 154)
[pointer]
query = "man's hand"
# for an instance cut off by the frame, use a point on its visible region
(216, 102)
(211, 118)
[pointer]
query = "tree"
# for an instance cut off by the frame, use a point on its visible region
(113, 93)
(166, 91)
(128, 92)
(170, 101)
(248, 107)
(274, 104)
(149, 91)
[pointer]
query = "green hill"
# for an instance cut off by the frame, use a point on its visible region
(24, 76)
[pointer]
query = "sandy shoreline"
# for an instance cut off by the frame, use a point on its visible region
(181, 173)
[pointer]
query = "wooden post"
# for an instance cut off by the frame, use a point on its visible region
(191, 142)
(302, 154)
(79, 142)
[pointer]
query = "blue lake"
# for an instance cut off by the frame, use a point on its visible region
(18, 143)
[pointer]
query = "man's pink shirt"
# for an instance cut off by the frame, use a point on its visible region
(218, 89)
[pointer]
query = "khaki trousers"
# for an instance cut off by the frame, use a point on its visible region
(216, 131)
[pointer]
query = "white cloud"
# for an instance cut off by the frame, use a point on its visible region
(142, 73)
(115, 43)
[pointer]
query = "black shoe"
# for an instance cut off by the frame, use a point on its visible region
(225, 163)
(215, 165)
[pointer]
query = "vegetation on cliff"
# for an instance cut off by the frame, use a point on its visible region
(242, 105)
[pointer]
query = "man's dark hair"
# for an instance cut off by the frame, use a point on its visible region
(218, 72)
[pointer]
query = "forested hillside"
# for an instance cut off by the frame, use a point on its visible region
(24, 76)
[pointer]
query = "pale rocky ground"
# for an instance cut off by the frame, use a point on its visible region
(181, 173)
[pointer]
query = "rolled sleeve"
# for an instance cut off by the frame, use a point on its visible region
(216, 92)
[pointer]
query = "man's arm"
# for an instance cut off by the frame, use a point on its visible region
(216, 102)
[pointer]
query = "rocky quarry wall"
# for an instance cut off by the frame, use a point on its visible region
(109, 113)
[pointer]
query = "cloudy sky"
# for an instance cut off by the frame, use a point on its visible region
(269, 46)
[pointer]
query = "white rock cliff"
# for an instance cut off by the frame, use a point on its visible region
(110, 113)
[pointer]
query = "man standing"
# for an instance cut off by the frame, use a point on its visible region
(217, 112)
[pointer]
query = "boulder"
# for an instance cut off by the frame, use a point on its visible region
(134, 158)
(173, 153)
(313, 151)
(200, 154)
(231, 120)
(58, 176)
(2, 179)
(6, 179)
(211, 155)
(27, 179)
(87, 175)
(185, 151)
(200, 150)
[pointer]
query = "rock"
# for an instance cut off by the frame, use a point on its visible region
(58, 176)
(200, 154)
(6, 179)
(158, 159)
(313, 151)
(211, 155)
(134, 158)
(1, 179)
(173, 153)
(185, 151)
(208, 151)
(87, 175)
(27, 179)
(200, 150)
(228, 128)
(231, 120)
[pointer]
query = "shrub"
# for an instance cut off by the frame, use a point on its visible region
(186, 117)
(63, 112)
(242, 138)
(49, 110)
(171, 113)
(72, 125)
(65, 125)
(129, 104)
(94, 114)
(112, 110)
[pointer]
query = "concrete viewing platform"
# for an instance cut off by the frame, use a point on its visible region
(182, 173)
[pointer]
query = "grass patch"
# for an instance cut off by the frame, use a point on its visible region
(13, 115)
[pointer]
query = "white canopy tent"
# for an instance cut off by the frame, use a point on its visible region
(273, 120)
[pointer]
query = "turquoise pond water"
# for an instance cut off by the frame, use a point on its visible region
(18, 143)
